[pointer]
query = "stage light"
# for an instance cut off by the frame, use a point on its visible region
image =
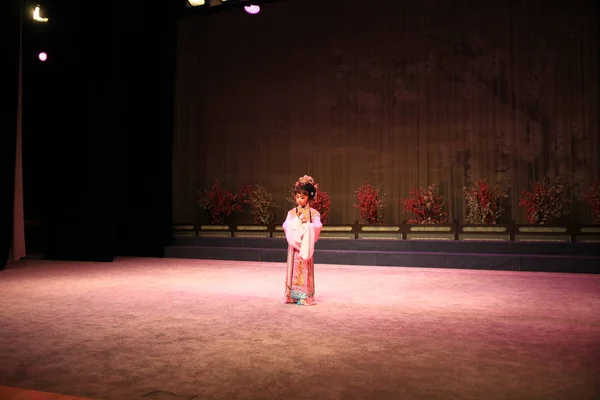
(43, 56)
(252, 9)
(196, 3)
(37, 16)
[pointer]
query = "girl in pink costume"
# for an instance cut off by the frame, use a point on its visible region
(302, 228)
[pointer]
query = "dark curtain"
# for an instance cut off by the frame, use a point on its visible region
(104, 170)
(147, 56)
(78, 162)
(399, 93)
(9, 127)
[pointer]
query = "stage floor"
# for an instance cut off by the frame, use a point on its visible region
(167, 329)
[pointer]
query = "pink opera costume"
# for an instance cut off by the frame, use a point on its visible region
(302, 228)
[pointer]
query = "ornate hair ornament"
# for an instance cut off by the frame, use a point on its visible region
(307, 183)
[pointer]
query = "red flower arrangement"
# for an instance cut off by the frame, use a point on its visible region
(220, 203)
(593, 197)
(370, 203)
(322, 203)
(546, 203)
(484, 203)
(425, 206)
(261, 203)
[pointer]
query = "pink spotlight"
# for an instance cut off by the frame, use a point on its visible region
(252, 9)
(43, 56)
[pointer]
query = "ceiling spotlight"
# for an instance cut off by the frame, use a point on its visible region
(36, 15)
(196, 3)
(252, 9)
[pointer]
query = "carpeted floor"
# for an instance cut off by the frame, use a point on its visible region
(196, 329)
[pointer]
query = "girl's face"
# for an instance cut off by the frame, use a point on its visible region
(301, 199)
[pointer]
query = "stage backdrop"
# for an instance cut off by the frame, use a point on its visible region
(403, 93)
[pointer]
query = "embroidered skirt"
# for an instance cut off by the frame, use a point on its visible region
(300, 279)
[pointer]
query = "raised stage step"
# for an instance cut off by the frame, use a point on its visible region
(13, 393)
(517, 256)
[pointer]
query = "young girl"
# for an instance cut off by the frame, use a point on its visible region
(302, 228)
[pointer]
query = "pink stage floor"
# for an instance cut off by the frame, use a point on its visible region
(200, 329)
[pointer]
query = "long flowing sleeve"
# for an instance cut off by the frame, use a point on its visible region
(310, 237)
(289, 227)
(316, 226)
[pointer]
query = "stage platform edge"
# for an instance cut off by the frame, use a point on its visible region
(573, 257)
